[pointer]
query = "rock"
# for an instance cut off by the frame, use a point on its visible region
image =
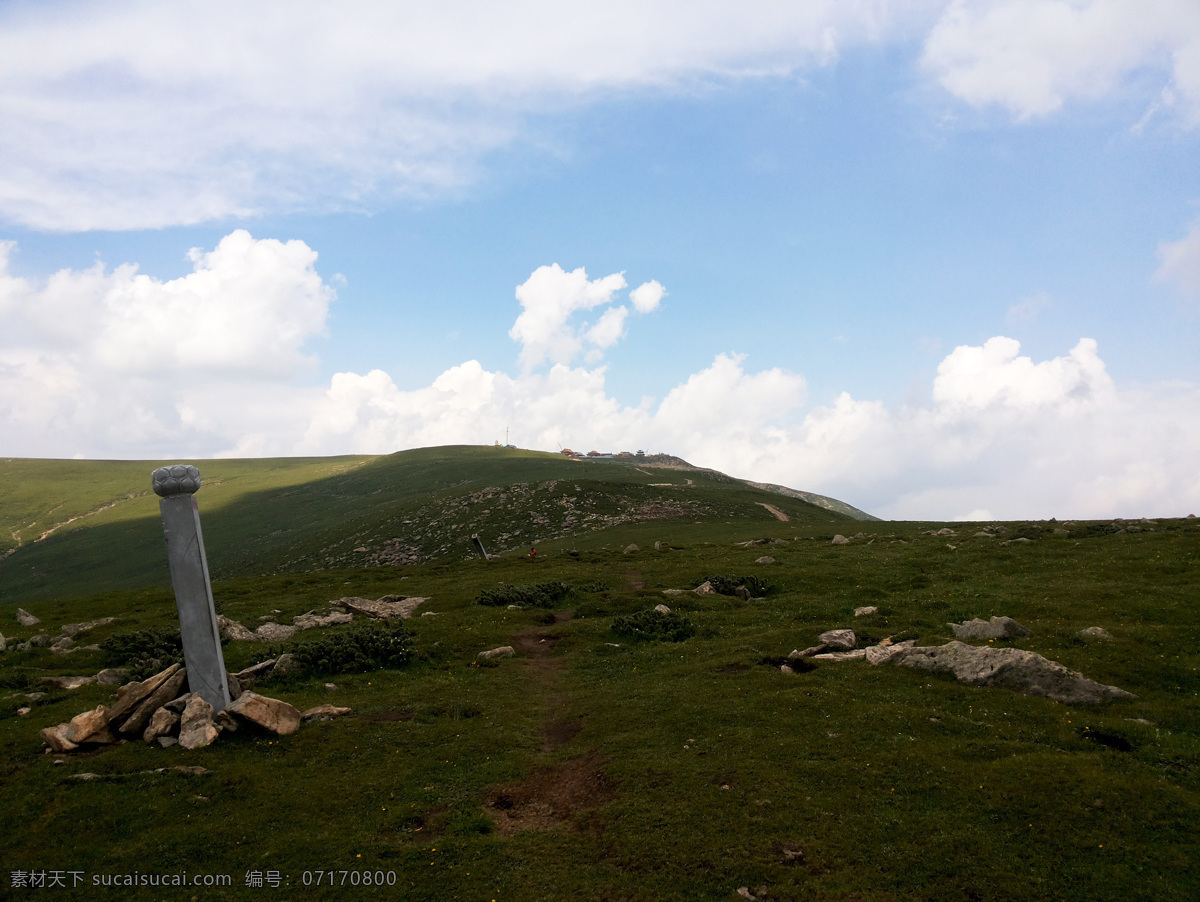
(62, 643)
(784, 668)
(676, 591)
(234, 684)
(880, 654)
(167, 741)
(26, 619)
(313, 620)
(856, 655)
(1062, 532)
(178, 704)
(630, 549)
(504, 651)
(249, 676)
(1009, 668)
(34, 696)
(131, 695)
(112, 676)
(3, 644)
(1021, 539)
(385, 608)
(274, 632)
(68, 682)
(74, 629)
(196, 728)
(840, 540)
(322, 713)
(225, 722)
(136, 722)
(796, 654)
(705, 588)
(57, 739)
(286, 663)
(945, 531)
(662, 609)
(996, 628)
(658, 546)
(269, 713)
(513, 607)
(161, 723)
(765, 559)
(742, 592)
(41, 640)
(1093, 633)
(863, 612)
(90, 726)
(984, 535)
(331, 687)
(234, 631)
(838, 640)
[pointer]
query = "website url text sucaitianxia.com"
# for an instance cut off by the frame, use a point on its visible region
(66, 879)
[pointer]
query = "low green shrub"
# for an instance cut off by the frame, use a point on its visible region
(364, 646)
(728, 584)
(654, 625)
(540, 595)
(144, 652)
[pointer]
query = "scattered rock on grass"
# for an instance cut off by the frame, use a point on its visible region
(765, 559)
(865, 611)
(504, 651)
(269, 713)
(323, 713)
(384, 608)
(630, 549)
(68, 682)
(838, 640)
(662, 609)
(74, 629)
(26, 619)
(196, 727)
(996, 628)
(1009, 668)
(1093, 633)
(840, 540)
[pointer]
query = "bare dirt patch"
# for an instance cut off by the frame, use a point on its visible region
(552, 796)
(779, 515)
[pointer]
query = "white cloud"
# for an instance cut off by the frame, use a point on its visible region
(1033, 56)
(1181, 262)
(647, 296)
(551, 297)
(109, 363)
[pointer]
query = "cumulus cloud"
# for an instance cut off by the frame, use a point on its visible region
(109, 363)
(1033, 56)
(551, 297)
(1181, 263)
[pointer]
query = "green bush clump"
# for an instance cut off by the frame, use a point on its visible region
(541, 595)
(361, 647)
(593, 587)
(727, 584)
(652, 624)
(144, 652)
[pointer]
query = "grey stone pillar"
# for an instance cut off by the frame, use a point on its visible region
(193, 591)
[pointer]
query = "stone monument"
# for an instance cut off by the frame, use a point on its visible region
(193, 591)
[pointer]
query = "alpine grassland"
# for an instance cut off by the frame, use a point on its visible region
(618, 754)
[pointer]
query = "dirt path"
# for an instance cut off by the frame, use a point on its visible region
(779, 515)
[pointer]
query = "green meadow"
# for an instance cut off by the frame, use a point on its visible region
(593, 765)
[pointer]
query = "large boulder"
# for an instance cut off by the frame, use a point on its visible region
(996, 628)
(26, 619)
(269, 713)
(838, 640)
(57, 738)
(1008, 668)
(90, 726)
(234, 631)
(384, 608)
(196, 728)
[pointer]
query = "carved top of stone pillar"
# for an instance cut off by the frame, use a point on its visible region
(180, 479)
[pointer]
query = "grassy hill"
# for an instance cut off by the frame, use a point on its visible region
(593, 764)
(67, 526)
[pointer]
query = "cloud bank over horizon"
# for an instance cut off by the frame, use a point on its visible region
(144, 115)
(117, 364)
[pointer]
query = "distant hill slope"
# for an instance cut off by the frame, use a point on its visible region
(83, 526)
(830, 504)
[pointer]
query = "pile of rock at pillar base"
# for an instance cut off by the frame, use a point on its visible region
(160, 709)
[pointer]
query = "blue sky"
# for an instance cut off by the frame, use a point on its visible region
(937, 259)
